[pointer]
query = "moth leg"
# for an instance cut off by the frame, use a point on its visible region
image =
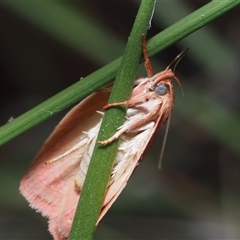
(134, 123)
(73, 149)
(147, 62)
(129, 103)
(114, 137)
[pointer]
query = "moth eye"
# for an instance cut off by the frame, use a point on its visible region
(161, 89)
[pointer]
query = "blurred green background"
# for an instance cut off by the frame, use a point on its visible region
(47, 46)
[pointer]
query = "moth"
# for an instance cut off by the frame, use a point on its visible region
(52, 185)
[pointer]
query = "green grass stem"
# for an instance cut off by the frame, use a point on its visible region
(98, 174)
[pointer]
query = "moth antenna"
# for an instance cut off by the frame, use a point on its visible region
(164, 142)
(177, 59)
(179, 84)
(174, 64)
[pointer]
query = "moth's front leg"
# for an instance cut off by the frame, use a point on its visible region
(117, 134)
(129, 103)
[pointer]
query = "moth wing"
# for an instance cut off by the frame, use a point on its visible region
(45, 185)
